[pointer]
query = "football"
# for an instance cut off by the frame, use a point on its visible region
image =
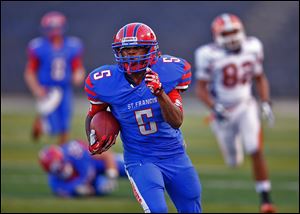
(104, 123)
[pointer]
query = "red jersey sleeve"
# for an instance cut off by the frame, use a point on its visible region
(33, 62)
(186, 77)
(76, 63)
(176, 98)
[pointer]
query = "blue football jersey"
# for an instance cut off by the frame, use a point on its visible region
(84, 169)
(144, 131)
(55, 65)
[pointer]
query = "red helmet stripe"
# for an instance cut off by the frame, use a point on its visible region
(130, 29)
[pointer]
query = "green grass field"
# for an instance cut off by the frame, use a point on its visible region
(224, 190)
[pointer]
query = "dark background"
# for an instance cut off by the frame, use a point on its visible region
(181, 27)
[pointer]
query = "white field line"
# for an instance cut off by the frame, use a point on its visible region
(192, 106)
(203, 169)
(211, 184)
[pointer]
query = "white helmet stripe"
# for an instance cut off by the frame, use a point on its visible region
(227, 22)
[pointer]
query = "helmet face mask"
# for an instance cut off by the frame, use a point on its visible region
(135, 36)
(134, 61)
(228, 32)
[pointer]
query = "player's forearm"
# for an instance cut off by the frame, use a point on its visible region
(87, 126)
(32, 82)
(171, 113)
(203, 94)
(262, 86)
(78, 76)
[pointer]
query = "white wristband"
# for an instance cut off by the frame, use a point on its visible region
(112, 173)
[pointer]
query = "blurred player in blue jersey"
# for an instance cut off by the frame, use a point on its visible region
(54, 63)
(143, 92)
(72, 171)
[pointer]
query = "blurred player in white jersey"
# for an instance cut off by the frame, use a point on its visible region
(225, 70)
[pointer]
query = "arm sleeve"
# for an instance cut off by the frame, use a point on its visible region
(186, 78)
(78, 50)
(202, 64)
(259, 56)
(175, 97)
(76, 63)
(33, 61)
(90, 91)
(94, 108)
(96, 104)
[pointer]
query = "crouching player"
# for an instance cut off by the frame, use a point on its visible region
(72, 171)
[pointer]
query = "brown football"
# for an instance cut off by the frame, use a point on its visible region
(104, 123)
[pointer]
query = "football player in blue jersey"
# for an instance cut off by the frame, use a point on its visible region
(143, 93)
(73, 172)
(54, 63)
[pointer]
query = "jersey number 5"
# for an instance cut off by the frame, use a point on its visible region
(170, 59)
(101, 74)
(142, 125)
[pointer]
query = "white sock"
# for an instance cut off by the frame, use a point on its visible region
(263, 186)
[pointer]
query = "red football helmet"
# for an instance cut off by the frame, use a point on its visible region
(53, 23)
(135, 35)
(52, 159)
(228, 31)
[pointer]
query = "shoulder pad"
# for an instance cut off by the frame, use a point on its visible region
(74, 41)
(103, 82)
(75, 44)
(206, 52)
(174, 72)
(35, 43)
(75, 149)
(254, 45)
